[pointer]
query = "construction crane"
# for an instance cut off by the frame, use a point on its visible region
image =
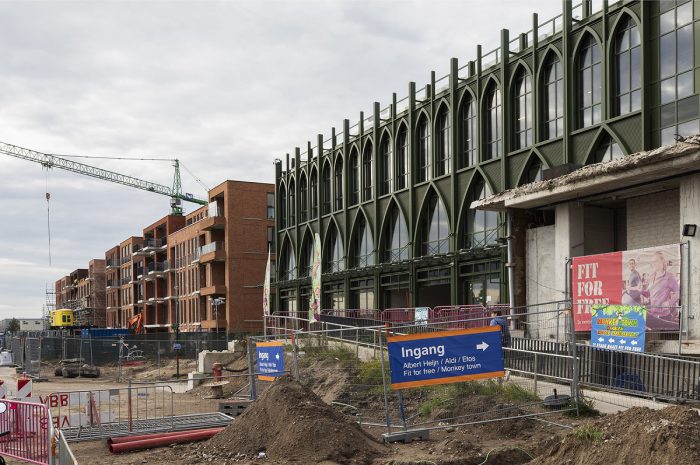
(53, 161)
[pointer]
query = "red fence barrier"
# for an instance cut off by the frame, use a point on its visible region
(25, 431)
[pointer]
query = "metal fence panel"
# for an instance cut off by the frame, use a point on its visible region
(28, 427)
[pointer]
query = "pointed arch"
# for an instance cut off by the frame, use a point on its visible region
(493, 119)
(433, 228)
(386, 163)
(303, 198)
(306, 253)
(367, 185)
(625, 56)
(292, 194)
(282, 205)
(394, 235)
(313, 193)
(443, 140)
(326, 188)
(287, 265)
(551, 82)
(480, 228)
(588, 64)
(605, 147)
(522, 107)
(338, 181)
(333, 249)
(423, 144)
(532, 169)
(468, 130)
(361, 250)
(401, 152)
(353, 175)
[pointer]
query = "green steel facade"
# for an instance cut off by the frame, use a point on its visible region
(390, 195)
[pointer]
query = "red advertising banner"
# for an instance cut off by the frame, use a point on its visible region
(647, 277)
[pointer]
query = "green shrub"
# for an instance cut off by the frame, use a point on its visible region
(588, 433)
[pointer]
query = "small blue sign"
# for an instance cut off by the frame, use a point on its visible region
(445, 357)
(618, 327)
(177, 346)
(270, 360)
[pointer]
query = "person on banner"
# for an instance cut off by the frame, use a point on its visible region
(497, 319)
(664, 292)
(632, 295)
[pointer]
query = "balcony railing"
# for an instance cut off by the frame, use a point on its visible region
(211, 247)
(439, 246)
(157, 267)
(113, 283)
(124, 281)
(484, 238)
(397, 255)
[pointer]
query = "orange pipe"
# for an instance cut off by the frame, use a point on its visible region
(123, 439)
(160, 442)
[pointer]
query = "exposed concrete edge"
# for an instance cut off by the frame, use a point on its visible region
(640, 167)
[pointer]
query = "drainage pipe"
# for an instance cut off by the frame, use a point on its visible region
(141, 444)
(123, 439)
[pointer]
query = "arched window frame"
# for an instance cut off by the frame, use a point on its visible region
(363, 245)
(303, 199)
(469, 135)
(354, 178)
(590, 80)
(443, 142)
(533, 171)
(607, 149)
(283, 206)
(289, 264)
(522, 110)
(435, 228)
(552, 98)
(326, 189)
(423, 149)
(307, 257)
(628, 75)
(386, 166)
(338, 183)
(367, 172)
(494, 122)
(396, 245)
(401, 164)
(482, 227)
(313, 194)
(335, 253)
(292, 203)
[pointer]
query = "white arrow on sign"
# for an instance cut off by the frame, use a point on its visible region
(634, 343)
(611, 340)
(622, 341)
(483, 346)
(601, 339)
(277, 356)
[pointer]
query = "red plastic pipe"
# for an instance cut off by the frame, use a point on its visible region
(123, 439)
(159, 442)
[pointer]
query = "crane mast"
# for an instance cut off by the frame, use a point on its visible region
(53, 161)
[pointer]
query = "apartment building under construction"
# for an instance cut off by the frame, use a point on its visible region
(83, 291)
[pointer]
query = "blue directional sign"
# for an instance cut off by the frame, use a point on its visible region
(445, 357)
(270, 360)
(618, 327)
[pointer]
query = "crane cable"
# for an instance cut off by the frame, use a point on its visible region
(48, 212)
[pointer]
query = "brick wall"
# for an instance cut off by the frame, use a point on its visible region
(653, 220)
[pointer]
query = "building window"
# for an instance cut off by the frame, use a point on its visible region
(423, 147)
(679, 110)
(396, 245)
(589, 83)
(367, 173)
(354, 178)
(402, 159)
(326, 190)
(386, 166)
(313, 191)
(607, 150)
(363, 245)
(338, 185)
(270, 239)
(303, 197)
(292, 203)
(522, 111)
(553, 99)
(494, 132)
(482, 226)
(443, 155)
(469, 131)
(533, 171)
(270, 206)
(307, 255)
(335, 254)
(288, 270)
(628, 51)
(435, 228)
(283, 207)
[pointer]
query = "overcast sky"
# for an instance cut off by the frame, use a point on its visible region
(226, 87)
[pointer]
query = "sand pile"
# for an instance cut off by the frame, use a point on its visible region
(291, 423)
(636, 436)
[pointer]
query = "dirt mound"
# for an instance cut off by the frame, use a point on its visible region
(291, 423)
(638, 435)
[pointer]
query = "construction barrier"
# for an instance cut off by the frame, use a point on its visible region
(24, 387)
(26, 430)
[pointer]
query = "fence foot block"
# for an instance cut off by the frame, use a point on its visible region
(407, 436)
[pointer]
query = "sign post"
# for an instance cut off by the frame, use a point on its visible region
(445, 357)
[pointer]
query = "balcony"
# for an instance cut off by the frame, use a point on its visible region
(112, 263)
(212, 252)
(213, 222)
(152, 245)
(112, 283)
(217, 289)
(157, 269)
(124, 260)
(139, 251)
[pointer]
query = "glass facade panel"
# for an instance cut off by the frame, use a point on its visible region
(553, 105)
(402, 159)
(386, 166)
(494, 131)
(443, 157)
(589, 85)
(469, 133)
(423, 141)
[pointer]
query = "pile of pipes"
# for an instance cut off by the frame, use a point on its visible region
(119, 445)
